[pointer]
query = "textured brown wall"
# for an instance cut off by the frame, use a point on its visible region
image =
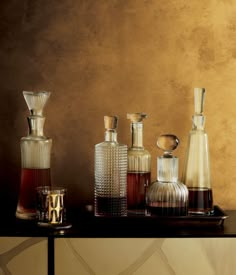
(113, 57)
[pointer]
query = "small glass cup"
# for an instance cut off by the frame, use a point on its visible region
(42, 203)
(51, 207)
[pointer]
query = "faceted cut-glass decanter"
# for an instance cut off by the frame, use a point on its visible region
(196, 173)
(110, 173)
(35, 156)
(167, 196)
(139, 167)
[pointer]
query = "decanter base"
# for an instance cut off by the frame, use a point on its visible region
(24, 215)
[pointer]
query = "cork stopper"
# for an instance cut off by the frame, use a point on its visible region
(110, 122)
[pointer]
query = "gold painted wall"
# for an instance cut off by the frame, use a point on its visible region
(103, 57)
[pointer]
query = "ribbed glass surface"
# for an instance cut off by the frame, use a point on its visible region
(35, 156)
(36, 153)
(110, 179)
(167, 199)
(35, 161)
(139, 166)
(36, 101)
(167, 169)
(167, 196)
(139, 161)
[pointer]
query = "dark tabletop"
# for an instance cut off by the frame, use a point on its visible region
(222, 224)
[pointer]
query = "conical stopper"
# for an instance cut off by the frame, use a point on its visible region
(199, 94)
(36, 101)
(198, 117)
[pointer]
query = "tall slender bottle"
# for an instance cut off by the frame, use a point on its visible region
(196, 173)
(35, 156)
(139, 167)
(167, 196)
(110, 173)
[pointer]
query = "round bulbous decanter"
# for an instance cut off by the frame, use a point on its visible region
(167, 196)
(139, 166)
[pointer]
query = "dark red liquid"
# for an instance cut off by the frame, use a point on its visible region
(137, 184)
(200, 200)
(110, 206)
(167, 211)
(30, 179)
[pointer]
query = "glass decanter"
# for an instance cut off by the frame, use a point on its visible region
(196, 172)
(139, 167)
(167, 196)
(35, 156)
(110, 173)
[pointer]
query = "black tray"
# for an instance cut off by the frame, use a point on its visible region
(215, 219)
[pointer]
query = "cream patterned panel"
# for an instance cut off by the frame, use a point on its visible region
(23, 256)
(208, 256)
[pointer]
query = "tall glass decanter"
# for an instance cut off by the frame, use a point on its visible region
(196, 172)
(35, 156)
(110, 173)
(167, 196)
(139, 167)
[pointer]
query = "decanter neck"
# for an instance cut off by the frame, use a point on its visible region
(167, 169)
(198, 119)
(111, 135)
(137, 134)
(198, 122)
(36, 124)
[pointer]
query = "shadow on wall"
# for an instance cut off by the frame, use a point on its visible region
(11, 126)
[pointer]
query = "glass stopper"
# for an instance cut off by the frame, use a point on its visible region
(36, 101)
(199, 94)
(136, 117)
(167, 143)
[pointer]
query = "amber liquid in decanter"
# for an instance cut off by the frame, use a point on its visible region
(139, 167)
(167, 196)
(110, 190)
(35, 156)
(196, 172)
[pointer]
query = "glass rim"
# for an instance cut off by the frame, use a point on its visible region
(39, 92)
(51, 189)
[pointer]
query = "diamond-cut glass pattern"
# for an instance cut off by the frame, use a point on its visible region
(110, 179)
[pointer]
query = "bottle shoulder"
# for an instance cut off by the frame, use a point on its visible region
(109, 144)
(136, 151)
(198, 132)
(36, 139)
(168, 186)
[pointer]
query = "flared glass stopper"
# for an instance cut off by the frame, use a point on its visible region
(36, 101)
(136, 117)
(167, 170)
